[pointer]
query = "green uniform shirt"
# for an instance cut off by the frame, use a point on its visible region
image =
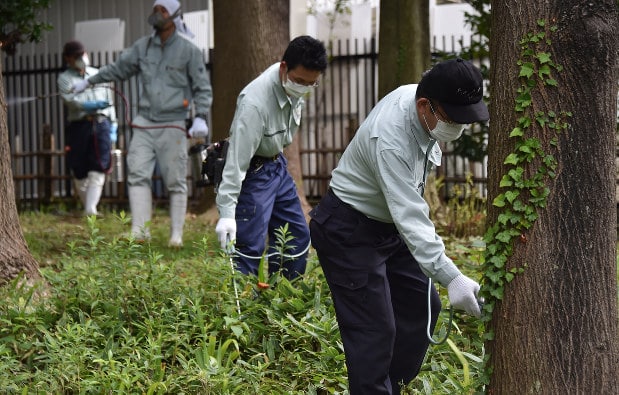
(73, 101)
(382, 174)
(170, 75)
(264, 123)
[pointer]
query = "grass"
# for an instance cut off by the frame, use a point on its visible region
(123, 317)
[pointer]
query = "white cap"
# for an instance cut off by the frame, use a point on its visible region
(170, 5)
(173, 6)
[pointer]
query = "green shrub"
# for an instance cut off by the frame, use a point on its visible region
(123, 317)
(463, 214)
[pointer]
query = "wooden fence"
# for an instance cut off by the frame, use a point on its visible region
(36, 125)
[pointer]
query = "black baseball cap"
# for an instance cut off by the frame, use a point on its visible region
(459, 88)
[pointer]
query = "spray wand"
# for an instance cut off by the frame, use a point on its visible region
(41, 97)
(22, 100)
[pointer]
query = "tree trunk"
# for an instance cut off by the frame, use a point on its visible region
(556, 327)
(404, 43)
(15, 258)
(249, 37)
(294, 168)
(254, 36)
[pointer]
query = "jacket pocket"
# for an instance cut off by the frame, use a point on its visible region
(350, 280)
(245, 211)
(319, 215)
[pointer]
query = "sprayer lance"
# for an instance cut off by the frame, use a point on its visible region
(48, 95)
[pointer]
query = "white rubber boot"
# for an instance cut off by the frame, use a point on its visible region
(80, 189)
(140, 201)
(178, 210)
(93, 192)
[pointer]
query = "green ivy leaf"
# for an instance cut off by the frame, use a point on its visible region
(527, 70)
(551, 82)
(498, 261)
(526, 149)
(511, 195)
(504, 237)
(497, 293)
(499, 201)
(543, 57)
(516, 132)
(544, 70)
(512, 159)
(519, 206)
(516, 174)
(505, 182)
(531, 217)
(494, 277)
(524, 122)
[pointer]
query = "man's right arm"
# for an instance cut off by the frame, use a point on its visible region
(78, 104)
(65, 88)
(245, 136)
(127, 65)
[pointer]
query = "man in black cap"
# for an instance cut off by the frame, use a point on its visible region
(375, 241)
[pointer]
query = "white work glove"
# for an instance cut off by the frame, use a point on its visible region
(81, 86)
(199, 128)
(226, 231)
(462, 292)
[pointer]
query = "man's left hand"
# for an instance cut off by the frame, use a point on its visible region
(114, 132)
(462, 293)
(80, 86)
(199, 128)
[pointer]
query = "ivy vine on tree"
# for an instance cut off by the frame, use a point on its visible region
(523, 188)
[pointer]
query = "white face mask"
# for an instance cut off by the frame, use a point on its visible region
(294, 89)
(82, 62)
(446, 132)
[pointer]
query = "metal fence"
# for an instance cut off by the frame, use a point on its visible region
(36, 124)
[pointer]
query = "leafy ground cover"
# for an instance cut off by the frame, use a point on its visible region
(123, 317)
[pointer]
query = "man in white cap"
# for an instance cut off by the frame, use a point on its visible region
(172, 73)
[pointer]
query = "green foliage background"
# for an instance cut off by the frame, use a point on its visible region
(19, 22)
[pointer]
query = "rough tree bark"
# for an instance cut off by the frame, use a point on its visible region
(15, 258)
(404, 43)
(249, 37)
(556, 328)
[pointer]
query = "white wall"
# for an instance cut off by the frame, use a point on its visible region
(298, 18)
(199, 23)
(359, 24)
(446, 20)
(63, 14)
(101, 35)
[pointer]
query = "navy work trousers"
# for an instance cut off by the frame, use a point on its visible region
(380, 296)
(89, 146)
(269, 200)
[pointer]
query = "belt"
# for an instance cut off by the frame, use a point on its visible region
(96, 117)
(258, 161)
(338, 208)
